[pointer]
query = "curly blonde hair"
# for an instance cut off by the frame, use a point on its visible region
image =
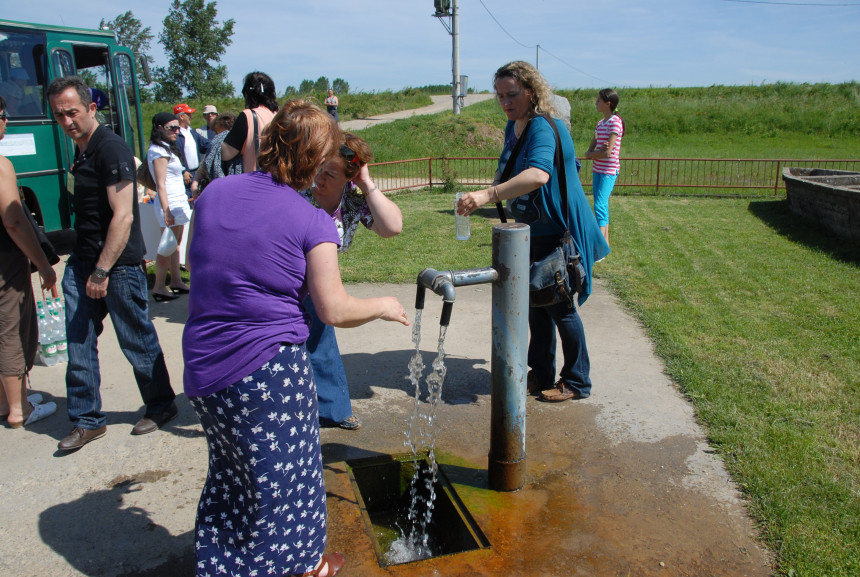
(532, 80)
(295, 143)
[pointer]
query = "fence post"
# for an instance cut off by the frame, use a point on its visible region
(430, 172)
(658, 176)
(776, 181)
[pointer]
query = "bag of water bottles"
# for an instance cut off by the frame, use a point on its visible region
(53, 348)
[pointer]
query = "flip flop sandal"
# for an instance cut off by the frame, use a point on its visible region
(34, 399)
(334, 562)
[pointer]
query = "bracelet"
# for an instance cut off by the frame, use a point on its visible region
(372, 189)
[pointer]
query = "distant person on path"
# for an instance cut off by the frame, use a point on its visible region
(534, 198)
(19, 332)
(171, 204)
(243, 140)
(344, 189)
(189, 143)
(247, 371)
(331, 104)
(605, 151)
(210, 113)
(103, 274)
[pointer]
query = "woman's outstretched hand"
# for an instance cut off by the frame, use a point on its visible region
(392, 310)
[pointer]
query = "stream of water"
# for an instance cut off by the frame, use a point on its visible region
(421, 433)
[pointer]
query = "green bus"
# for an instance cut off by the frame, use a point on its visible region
(31, 56)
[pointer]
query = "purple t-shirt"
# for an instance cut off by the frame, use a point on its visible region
(251, 236)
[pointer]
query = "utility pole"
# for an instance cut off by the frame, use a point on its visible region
(451, 9)
(455, 57)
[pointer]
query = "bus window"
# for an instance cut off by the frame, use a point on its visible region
(126, 87)
(22, 74)
(63, 65)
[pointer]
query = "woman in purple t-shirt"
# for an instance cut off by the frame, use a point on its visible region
(247, 371)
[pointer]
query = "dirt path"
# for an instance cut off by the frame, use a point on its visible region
(440, 103)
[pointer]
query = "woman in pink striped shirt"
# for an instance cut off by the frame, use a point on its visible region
(604, 151)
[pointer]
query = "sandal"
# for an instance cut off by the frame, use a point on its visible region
(38, 413)
(34, 399)
(334, 562)
(351, 423)
(560, 392)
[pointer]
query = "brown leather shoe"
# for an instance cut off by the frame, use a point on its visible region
(560, 392)
(80, 437)
(153, 422)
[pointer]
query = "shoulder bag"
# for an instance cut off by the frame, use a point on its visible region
(550, 277)
(42, 237)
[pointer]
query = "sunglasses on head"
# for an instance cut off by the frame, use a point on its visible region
(349, 155)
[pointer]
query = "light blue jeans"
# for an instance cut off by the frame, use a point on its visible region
(126, 302)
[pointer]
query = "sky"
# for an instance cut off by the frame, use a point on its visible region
(392, 44)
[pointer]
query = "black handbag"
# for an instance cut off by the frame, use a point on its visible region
(42, 237)
(550, 277)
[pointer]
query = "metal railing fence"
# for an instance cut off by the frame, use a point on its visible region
(690, 176)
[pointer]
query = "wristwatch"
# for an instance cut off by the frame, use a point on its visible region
(100, 272)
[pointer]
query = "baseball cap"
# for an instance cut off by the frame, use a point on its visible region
(182, 108)
(210, 109)
(162, 118)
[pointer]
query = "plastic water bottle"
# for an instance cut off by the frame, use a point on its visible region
(47, 348)
(58, 334)
(461, 222)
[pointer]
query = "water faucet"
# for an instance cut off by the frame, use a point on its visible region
(443, 282)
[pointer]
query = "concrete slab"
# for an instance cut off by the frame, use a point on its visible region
(622, 483)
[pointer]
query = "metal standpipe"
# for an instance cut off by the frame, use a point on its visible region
(509, 362)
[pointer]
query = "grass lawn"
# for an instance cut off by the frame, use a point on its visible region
(756, 316)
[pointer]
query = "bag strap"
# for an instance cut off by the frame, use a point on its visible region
(509, 167)
(559, 163)
(256, 133)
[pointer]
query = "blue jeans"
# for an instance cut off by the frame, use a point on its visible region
(126, 302)
(543, 322)
(332, 387)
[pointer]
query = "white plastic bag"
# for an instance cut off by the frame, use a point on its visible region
(167, 244)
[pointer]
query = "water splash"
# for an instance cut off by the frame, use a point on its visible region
(422, 430)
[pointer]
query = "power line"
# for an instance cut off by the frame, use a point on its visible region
(540, 47)
(829, 5)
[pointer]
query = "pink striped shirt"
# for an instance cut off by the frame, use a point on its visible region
(605, 128)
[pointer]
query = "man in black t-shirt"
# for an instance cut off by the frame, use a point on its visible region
(103, 274)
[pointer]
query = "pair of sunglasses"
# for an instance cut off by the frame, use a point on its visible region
(349, 155)
(3, 115)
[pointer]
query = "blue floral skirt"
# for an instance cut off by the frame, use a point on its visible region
(263, 507)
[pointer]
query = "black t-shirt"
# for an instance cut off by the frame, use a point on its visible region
(106, 162)
(237, 135)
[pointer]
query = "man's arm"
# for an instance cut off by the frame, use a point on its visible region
(120, 197)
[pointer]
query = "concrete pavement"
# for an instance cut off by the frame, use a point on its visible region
(622, 483)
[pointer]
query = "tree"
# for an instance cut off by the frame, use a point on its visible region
(322, 85)
(340, 86)
(194, 43)
(306, 87)
(130, 32)
(291, 92)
